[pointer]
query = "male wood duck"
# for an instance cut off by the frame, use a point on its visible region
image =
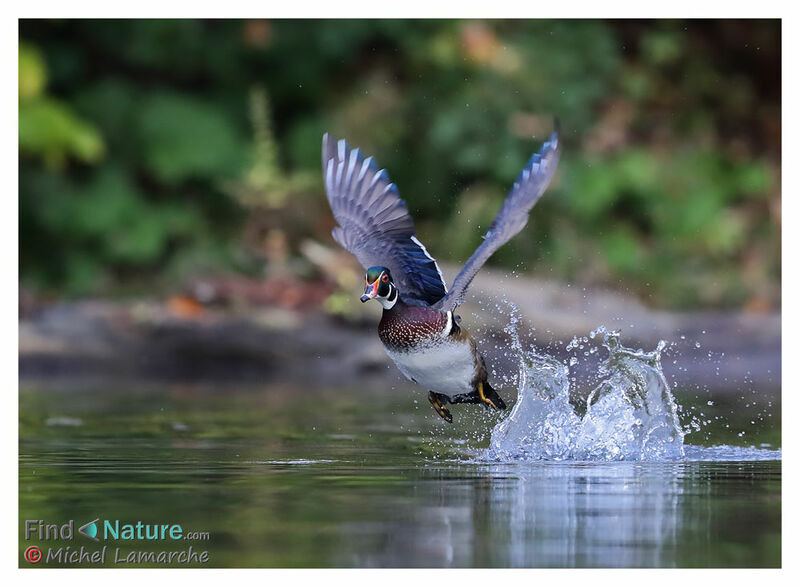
(418, 329)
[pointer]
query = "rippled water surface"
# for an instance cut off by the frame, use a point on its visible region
(283, 476)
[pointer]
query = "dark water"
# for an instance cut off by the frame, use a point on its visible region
(283, 477)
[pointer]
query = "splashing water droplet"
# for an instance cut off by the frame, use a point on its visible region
(631, 414)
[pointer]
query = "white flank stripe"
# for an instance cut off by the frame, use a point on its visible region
(449, 326)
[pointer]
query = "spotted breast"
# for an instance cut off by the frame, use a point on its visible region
(429, 349)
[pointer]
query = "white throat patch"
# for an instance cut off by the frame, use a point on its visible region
(389, 301)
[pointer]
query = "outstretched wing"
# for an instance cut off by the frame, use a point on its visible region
(374, 224)
(513, 216)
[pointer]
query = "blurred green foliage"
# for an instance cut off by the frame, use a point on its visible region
(153, 150)
(49, 128)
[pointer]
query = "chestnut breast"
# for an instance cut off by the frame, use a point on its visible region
(406, 326)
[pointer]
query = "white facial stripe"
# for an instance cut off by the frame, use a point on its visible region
(390, 300)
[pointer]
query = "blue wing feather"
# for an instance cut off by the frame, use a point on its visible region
(531, 183)
(374, 223)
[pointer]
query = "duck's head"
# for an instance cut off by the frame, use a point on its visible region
(379, 286)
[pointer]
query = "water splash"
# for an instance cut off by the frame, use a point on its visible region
(631, 414)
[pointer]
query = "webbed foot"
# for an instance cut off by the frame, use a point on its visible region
(437, 401)
(489, 396)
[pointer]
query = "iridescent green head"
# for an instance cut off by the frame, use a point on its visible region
(379, 285)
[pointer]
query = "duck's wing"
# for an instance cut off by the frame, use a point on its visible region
(374, 224)
(530, 185)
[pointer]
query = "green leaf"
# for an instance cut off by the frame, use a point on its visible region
(184, 138)
(32, 72)
(621, 248)
(50, 129)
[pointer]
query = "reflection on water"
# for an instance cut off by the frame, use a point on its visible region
(281, 479)
(568, 515)
(594, 515)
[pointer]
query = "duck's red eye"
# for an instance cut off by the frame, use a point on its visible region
(385, 278)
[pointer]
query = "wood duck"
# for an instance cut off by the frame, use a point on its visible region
(418, 328)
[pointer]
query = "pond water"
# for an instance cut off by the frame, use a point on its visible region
(288, 476)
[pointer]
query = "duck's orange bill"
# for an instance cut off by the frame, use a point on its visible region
(371, 291)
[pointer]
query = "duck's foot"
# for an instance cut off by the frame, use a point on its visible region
(437, 401)
(489, 396)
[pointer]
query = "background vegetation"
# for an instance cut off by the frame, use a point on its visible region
(155, 151)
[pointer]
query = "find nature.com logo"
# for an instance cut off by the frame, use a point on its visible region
(111, 530)
(90, 529)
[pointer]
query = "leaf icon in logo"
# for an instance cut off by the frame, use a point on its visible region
(90, 529)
